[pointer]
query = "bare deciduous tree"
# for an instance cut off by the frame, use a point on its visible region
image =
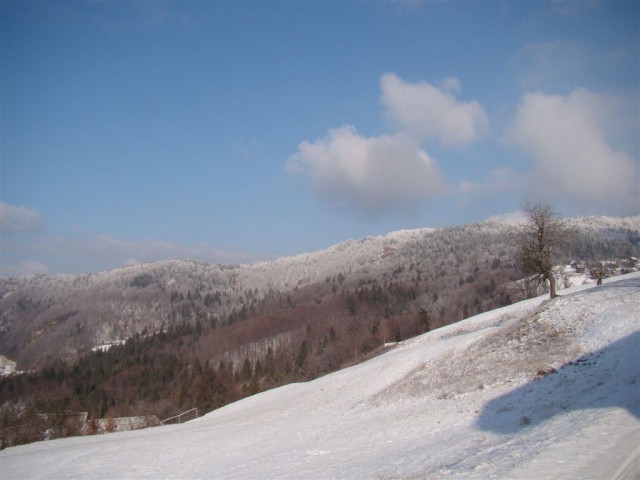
(541, 243)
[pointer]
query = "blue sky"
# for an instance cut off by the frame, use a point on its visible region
(233, 132)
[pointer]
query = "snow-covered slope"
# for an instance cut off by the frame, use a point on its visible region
(536, 390)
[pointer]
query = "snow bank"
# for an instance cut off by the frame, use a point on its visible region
(537, 390)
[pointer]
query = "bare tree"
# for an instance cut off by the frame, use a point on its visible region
(597, 271)
(541, 243)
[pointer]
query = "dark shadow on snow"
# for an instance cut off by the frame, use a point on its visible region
(605, 378)
(631, 283)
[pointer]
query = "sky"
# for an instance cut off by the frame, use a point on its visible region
(235, 132)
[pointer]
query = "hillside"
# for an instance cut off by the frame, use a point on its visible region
(449, 272)
(162, 338)
(539, 389)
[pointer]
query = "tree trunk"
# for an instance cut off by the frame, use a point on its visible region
(552, 284)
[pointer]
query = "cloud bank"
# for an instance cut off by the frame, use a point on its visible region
(27, 247)
(572, 158)
(17, 219)
(390, 172)
(45, 253)
(568, 139)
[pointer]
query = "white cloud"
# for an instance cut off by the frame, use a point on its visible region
(450, 85)
(26, 267)
(428, 112)
(42, 252)
(15, 219)
(517, 217)
(498, 181)
(392, 171)
(373, 174)
(574, 161)
(554, 63)
(94, 253)
(101, 252)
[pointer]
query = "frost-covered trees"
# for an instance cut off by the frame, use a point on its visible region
(541, 242)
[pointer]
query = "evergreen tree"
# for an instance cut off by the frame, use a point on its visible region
(246, 371)
(302, 355)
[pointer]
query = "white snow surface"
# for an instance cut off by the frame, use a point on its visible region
(540, 389)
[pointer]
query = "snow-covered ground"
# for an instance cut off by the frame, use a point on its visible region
(535, 390)
(7, 367)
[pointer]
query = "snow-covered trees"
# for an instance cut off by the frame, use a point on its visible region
(541, 242)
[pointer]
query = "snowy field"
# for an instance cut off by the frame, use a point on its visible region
(535, 390)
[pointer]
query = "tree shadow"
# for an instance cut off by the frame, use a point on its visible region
(606, 378)
(631, 283)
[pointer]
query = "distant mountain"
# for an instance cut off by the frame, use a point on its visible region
(450, 273)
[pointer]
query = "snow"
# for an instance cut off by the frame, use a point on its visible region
(7, 366)
(106, 346)
(539, 389)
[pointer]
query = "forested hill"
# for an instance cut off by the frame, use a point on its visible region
(163, 337)
(449, 272)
